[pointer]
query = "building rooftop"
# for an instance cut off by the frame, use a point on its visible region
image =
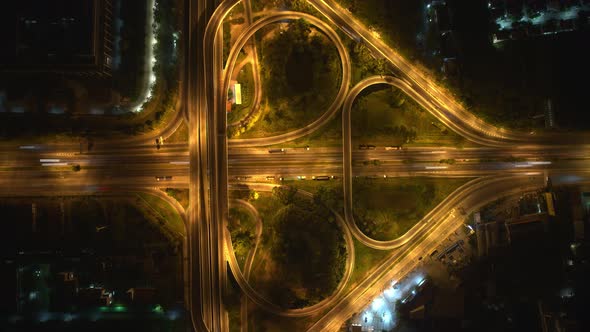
(57, 34)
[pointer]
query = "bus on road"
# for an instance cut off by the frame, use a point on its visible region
(322, 178)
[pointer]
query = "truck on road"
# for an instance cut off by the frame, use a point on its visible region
(276, 151)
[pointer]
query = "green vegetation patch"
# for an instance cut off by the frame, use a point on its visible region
(302, 250)
(315, 186)
(246, 79)
(242, 227)
(364, 64)
(384, 115)
(180, 135)
(295, 5)
(300, 73)
(180, 195)
(366, 259)
(330, 135)
(385, 209)
(166, 215)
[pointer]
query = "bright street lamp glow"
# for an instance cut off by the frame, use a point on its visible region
(390, 293)
(377, 304)
(386, 317)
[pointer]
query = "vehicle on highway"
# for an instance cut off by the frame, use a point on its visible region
(163, 178)
(322, 178)
(397, 147)
(366, 147)
(434, 253)
(351, 35)
(270, 177)
(276, 151)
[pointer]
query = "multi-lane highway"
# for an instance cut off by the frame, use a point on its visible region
(505, 162)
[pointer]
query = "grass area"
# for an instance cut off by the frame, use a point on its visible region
(242, 227)
(228, 26)
(313, 186)
(226, 40)
(387, 208)
(302, 252)
(180, 195)
(300, 73)
(330, 135)
(246, 80)
(180, 135)
(365, 260)
(383, 115)
(166, 215)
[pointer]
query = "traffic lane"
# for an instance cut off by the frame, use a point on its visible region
(31, 157)
(294, 169)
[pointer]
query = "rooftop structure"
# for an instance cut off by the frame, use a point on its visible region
(60, 36)
(522, 19)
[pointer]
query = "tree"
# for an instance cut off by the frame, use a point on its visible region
(301, 6)
(253, 195)
(242, 191)
(285, 194)
(396, 98)
(381, 66)
(300, 30)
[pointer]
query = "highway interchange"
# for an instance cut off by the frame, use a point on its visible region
(210, 162)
